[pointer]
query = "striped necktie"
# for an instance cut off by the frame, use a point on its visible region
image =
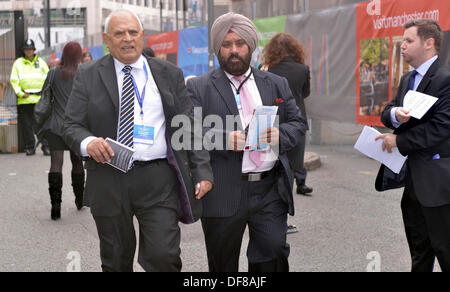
(126, 124)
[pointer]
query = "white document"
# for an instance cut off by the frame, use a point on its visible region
(418, 103)
(367, 145)
(263, 118)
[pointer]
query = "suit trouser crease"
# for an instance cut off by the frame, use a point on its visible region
(427, 232)
(149, 193)
(266, 216)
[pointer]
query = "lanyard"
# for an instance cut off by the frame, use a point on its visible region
(141, 97)
(237, 95)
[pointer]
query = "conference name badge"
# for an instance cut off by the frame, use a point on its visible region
(144, 134)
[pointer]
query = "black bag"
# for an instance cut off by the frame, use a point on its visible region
(389, 180)
(43, 108)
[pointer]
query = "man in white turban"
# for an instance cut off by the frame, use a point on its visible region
(253, 188)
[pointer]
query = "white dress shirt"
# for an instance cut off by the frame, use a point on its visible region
(152, 108)
(421, 71)
(268, 157)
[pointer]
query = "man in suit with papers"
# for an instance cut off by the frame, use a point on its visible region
(426, 142)
(133, 99)
(252, 188)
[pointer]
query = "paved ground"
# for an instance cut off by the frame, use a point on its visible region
(339, 226)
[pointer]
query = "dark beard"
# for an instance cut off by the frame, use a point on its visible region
(235, 69)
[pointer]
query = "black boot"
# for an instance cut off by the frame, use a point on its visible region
(55, 183)
(78, 188)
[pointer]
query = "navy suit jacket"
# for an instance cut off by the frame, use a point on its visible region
(213, 93)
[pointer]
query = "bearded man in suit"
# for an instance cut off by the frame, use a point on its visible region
(252, 188)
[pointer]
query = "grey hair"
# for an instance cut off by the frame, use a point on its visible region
(116, 12)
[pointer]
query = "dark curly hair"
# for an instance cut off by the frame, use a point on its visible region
(282, 45)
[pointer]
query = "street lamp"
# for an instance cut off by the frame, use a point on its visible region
(47, 23)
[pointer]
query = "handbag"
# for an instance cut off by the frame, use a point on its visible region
(43, 108)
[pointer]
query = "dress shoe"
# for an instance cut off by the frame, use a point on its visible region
(30, 152)
(46, 151)
(304, 190)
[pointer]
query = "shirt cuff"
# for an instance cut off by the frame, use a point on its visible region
(84, 144)
(394, 121)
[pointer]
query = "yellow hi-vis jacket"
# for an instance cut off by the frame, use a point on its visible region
(28, 77)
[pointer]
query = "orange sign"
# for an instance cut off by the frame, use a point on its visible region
(165, 46)
(379, 34)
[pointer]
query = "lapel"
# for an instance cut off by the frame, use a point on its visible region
(162, 80)
(222, 84)
(108, 76)
(264, 87)
(428, 76)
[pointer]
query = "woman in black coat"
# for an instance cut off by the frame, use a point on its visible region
(284, 56)
(61, 87)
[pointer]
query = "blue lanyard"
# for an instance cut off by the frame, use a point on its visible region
(140, 97)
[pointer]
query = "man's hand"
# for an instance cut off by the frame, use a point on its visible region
(389, 141)
(26, 95)
(100, 150)
(270, 136)
(402, 115)
(202, 188)
(236, 141)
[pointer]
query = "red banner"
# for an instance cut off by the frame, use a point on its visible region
(379, 34)
(165, 46)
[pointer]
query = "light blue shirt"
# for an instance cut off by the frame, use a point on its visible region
(421, 71)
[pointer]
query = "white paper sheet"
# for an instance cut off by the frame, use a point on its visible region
(367, 145)
(418, 103)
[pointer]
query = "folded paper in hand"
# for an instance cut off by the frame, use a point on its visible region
(367, 145)
(418, 103)
(122, 155)
(262, 119)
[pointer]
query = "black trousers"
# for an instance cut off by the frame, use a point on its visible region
(27, 124)
(266, 216)
(151, 195)
(427, 231)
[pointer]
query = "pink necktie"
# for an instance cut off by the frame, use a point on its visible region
(248, 106)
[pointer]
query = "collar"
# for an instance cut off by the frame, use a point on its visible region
(32, 61)
(423, 69)
(246, 74)
(139, 64)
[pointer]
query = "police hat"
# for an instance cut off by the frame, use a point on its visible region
(29, 44)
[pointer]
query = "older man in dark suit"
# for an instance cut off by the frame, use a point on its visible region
(426, 142)
(133, 99)
(252, 188)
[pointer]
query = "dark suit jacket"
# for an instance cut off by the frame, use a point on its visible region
(422, 139)
(212, 92)
(298, 77)
(93, 110)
